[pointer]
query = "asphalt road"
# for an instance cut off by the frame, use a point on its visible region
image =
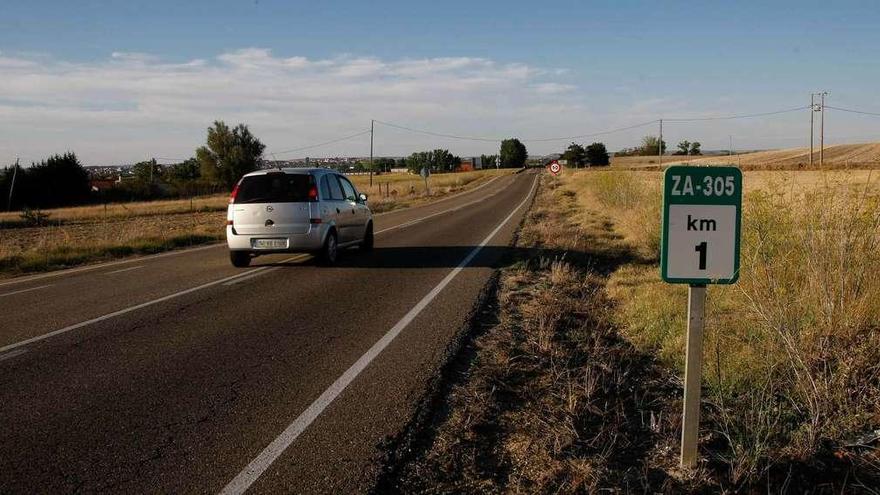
(178, 373)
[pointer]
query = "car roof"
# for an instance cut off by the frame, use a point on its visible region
(292, 170)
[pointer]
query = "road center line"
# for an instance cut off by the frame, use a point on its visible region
(10, 355)
(125, 269)
(96, 266)
(26, 290)
(259, 464)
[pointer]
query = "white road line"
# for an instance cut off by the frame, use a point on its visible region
(252, 275)
(125, 269)
(26, 290)
(110, 263)
(9, 355)
(124, 311)
(259, 464)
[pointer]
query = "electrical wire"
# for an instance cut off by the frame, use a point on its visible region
(438, 134)
(744, 116)
(318, 145)
(602, 133)
(853, 111)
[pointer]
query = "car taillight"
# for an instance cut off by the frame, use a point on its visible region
(315, 220)
(229, 222)
(234, 194)
(313, 193)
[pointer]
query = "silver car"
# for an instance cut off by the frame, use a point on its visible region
(289, 210)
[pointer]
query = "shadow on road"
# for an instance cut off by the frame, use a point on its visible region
(451, 256)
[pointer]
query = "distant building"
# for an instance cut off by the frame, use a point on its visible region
(470, 164)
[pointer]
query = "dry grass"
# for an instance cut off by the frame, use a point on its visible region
(570, 387)
(791, 362)
(553, 401)
(400, 190)
(636, 162)
(837, 156)
(72, 236)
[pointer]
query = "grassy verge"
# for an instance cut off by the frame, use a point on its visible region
(575, 386)
(791, 374)
(74, 236)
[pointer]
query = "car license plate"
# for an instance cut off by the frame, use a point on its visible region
(269, 243)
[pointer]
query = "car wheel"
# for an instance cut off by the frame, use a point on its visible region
(367, 243)
(330, 251)
(240, 259)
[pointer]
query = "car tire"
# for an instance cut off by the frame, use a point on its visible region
(240, 259)
(330, 251)
(367, 243)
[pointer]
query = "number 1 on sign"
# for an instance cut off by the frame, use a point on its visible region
(701, 248)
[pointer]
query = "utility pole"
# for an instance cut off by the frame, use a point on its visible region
(660, 145)
(730, 145)
(822, 131)
(152, 164)
(372, 123)
(12, 186)
(812, 110)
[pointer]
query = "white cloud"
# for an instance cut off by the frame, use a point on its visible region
(133, 105)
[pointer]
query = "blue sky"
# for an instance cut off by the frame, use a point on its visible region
(117, 81)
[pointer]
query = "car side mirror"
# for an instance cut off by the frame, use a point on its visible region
(362, 197)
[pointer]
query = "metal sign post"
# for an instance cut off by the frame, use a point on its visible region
(693, 375)
(702, 208)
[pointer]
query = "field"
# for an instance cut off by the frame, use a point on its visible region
(837, 156)
(572, 383)
(71, 236)
(791, 351)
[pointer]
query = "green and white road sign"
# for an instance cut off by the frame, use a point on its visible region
(702, 209)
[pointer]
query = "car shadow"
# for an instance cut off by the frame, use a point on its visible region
(412, 257)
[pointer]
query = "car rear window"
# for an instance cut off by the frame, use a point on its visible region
(275, 188)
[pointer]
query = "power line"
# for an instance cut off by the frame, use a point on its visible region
(743, 116)
(438, 134)
(853, 111)
(318, 145)
(602, 133)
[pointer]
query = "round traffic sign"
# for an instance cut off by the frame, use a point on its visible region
(555, 168)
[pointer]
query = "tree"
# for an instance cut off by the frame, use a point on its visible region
(147, 171)
(575, 155)
(60, 180)
(488, 161)
(436, 160)
(513, 153)
(650, 146)
(597, 155)
(229, 154)
(188, 170)
(684, 148)
(383, 164)
(695, 148)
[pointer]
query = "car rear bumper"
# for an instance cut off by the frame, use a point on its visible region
(296, 243)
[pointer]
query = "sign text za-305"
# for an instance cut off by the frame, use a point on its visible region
(702, 209)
